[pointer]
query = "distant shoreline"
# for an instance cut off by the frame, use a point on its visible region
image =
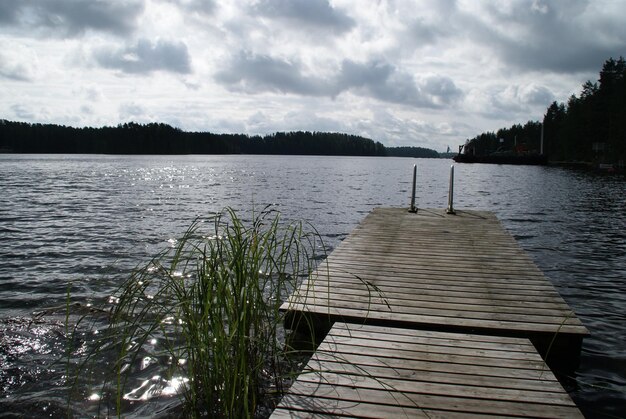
(163, 139)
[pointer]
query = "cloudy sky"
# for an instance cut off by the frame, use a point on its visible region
(423, 73)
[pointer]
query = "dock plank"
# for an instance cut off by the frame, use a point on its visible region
(334, 313)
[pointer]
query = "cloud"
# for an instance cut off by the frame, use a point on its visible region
(378, 79)
(8, 11)
(92, 93)
(301, 119)
(22, 112)
(510, 103)
(72, 17)
(564, 37)
(425, 33)
(133, 111)
(394, 129)
(533, 94)
(513, 101)
(383, 81)
(318, 14)
(18, 63)
(201, 7)
(146, 57)
(253, 73)
(440, 90)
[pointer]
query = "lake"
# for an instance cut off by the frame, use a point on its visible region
(88, 220)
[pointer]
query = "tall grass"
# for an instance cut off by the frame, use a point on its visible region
(208, 310)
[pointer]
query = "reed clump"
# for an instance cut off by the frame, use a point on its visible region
(207, 312)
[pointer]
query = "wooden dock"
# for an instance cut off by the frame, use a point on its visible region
(434, 271)
(422, 279)
(372, 371)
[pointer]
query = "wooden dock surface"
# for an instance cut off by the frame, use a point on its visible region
(430, 270)
(372, 371)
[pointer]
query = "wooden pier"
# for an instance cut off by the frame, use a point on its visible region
(415, 278)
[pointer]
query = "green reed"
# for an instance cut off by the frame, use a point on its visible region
(212, 303)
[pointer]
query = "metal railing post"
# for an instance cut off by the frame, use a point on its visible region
(413, 208)
(450, 209)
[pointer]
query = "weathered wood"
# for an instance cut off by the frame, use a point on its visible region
(432, 318)
(370, 371)
(447, 303)
(436, 271)
(366, 315)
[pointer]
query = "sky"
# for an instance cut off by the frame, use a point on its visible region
(427, 73)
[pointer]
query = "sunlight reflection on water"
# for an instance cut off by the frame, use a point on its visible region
(155, 387)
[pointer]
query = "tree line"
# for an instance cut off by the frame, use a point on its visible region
(159, 138)
(590, 127)
(412, 152)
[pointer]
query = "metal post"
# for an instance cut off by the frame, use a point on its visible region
(413, 208)
(450, 209)
(541, 145)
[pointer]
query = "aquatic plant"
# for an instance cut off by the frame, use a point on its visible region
(207, 312)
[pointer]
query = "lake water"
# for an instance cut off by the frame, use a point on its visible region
(89, 220)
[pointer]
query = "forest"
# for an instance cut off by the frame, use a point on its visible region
(590, 127)
(158, 138)
(412, 152)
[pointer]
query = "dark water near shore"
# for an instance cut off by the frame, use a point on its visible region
(89, 220)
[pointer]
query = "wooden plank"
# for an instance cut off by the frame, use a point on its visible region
(460, 357)
(304, 406)
(396, 263)
(477, 262)
(335, 343)
(435, 286)
(346, 367)
(378, 276)
(417, 279)
(357, 402)
(384, 335)
(426, 364)
(346, 408)
(370, 371)
(474, 390)
(416, 321)
(395, 334)
(444, 302)
(442, 296)
(466, 312)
